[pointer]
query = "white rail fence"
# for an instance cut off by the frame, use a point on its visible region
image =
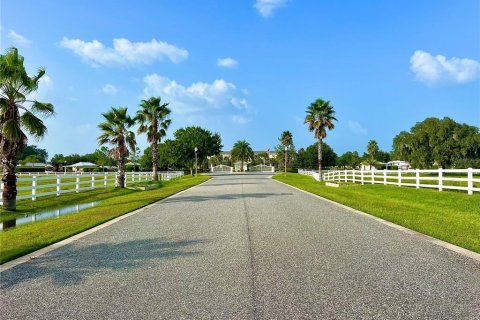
(60, 183)
(441, 179)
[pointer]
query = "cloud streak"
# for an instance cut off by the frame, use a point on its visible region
(200, 96)
(124, 52)
(227, 63)
(267, 7)
(17, 38)
(434, 70)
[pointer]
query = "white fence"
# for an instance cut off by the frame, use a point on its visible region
(32, 187)
(262, 168)
(221, 168)
(441, 179)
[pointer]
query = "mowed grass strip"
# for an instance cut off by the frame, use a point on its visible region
(115, 202)
(449, 215)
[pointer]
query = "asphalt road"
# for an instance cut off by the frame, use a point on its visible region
(245, 247)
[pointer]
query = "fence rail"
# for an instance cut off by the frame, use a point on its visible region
(441, 179)
(41, 185)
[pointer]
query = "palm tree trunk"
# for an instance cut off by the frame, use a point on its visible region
(320, 145)
(286, 161)
(155, 160)
(241, 169)
(9, 179)
(121, 172)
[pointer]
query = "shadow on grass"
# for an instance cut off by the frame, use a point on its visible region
(71, 264)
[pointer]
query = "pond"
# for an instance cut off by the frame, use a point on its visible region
(54, 213)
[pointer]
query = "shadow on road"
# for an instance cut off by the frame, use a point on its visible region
(70, 265)
(231, 196)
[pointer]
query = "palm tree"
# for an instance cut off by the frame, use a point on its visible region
(153, 121)
(320, 117)
(116, 133)
(242, 151)
(372, 148)
(286, 140)
(18, 117)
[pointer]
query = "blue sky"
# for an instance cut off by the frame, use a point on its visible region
(248, 69)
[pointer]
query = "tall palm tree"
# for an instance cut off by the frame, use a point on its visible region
(19, 117)
(372, 148)
(153, 121)
(286, 139)
(116, 133)
(320, 117)
(242, 151)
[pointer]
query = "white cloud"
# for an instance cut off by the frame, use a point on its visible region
(227, 63)
(18, 39)
(110, 89)
(440, 70)
(266, 7)
(240, 119)
(124, 52)
(196, 97)
(356, 127)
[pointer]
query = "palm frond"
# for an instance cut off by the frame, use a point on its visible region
(33, 125)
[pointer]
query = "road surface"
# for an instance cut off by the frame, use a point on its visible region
(245, 247)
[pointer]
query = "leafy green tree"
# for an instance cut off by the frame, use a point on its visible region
(372, 148)
(242, 151)
(153, 121)
(349, 159)
(320, 117)
(186, 139)
(116, 133)
(34, 150)
(146, 159)
(440, 142)
(33, 158)
(308, 158)
(18, 117)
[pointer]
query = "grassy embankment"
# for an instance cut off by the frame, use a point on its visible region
(114, 202)
(449, 215)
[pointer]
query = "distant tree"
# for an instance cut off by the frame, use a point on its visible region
(286, 139)
(242, 151)
(18, 117)
(33, 158)
(320, 117)
(349, 159)
(116, 133)
(34, 150)
(153, 120)
(308, 158)
(441, 142)
(186, 139)
(372, 149)
(145, 159)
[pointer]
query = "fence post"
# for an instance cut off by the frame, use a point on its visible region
(353, 175)
(346, 176)
(361, 176)
(77, 185)
(34, 188)
(470, 181)
(373, 175)
(399, 177)
(440, 179)
(385, 176)
(93, 181)
(104, 180)
(116, 181)
(417, 175)
(58, 185)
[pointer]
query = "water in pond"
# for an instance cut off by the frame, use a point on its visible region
(55, 213)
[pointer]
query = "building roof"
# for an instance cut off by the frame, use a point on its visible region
(82, 165)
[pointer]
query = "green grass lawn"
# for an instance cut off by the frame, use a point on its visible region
(114, 202)
(450, 216)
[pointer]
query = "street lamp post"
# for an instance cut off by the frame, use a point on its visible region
(286, 149)
(196, 166)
